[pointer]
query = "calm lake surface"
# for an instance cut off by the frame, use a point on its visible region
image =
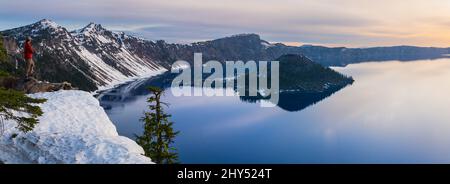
(394, 112)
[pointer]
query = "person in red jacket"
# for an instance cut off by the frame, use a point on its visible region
(28, 55)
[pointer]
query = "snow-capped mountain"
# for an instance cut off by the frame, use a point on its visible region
(90, 58)
(109, 56)
(93, 57)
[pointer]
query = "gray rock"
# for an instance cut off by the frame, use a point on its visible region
(33, 85)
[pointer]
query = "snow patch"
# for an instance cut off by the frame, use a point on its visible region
(73, 129)
(266, 44)
(178, 66)
(45, 23)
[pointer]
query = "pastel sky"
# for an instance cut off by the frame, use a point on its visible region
(351, 23)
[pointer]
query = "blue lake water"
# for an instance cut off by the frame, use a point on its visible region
(394, 112)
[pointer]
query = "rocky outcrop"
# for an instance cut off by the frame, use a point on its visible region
(32, 85)
(8, 82)
(11, 46)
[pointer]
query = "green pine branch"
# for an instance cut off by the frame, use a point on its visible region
(13, 103)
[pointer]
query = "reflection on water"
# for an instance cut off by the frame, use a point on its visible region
(126, 93)
(395, 112)
(295, 101)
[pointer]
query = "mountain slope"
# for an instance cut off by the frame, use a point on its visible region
(89, 58)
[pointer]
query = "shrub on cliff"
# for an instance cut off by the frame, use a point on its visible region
(15, 105)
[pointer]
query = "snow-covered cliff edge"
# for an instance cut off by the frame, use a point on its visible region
(73, 129)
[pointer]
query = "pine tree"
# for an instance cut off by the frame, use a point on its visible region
(158, 132)
(13, 103)
(4, 64)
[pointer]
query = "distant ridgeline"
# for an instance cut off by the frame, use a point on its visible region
(93, 56)
(341, 56)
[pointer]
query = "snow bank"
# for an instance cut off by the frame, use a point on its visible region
(73, 129)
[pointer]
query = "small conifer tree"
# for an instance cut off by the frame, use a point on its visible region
(158, 132)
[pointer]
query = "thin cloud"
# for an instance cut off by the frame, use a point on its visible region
(338, 22)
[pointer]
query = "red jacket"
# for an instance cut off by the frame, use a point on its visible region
(28, 53)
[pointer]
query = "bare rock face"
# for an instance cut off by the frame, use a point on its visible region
(11, 46)
(32, 85)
